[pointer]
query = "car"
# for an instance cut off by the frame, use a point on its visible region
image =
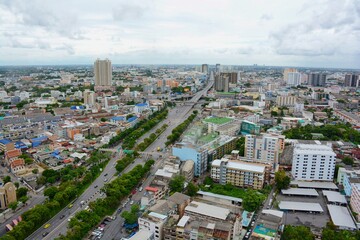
(252, 223)
(47, 225)
(95, 186)
(69, 219)
(70, 205)
(45, 234)
(87, 208)
(140, 189)
(105, 174)
(119, 210)
(105, 180)
(131, 202)
(62, 216)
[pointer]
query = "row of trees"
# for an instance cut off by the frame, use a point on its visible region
(176, 132)
(149, 140)
(331, 132)
(73, 182)
(130, 135)
(177, 184)
(116, 191)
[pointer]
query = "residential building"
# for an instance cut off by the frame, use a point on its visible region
(313, 162)
(285, 101)
(238, 173)
(348, 117)
(89, 98)
(140, 107)
(355, 199)
(205, 68)
(247, 127)
(221, 83)
(187, 170)
(352, 80)
(287, 71)
(265, 148)
(7, 195)
(153, 222)
(347, 178)
(317, 79)
(293, 79)
(213, 123)
(232, 76)
(102, 74)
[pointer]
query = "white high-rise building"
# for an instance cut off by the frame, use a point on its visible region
(294, 79)
(313, 162)
(265, 148)
(103, 74)
(89, 98)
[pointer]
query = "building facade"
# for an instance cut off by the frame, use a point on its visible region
(7, 195)
(313, 162)
(103, 74)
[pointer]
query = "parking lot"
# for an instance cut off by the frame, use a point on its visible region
(313, 220)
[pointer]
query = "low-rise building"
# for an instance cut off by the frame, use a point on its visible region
(7, 195)
(187, 170)
(153, 222)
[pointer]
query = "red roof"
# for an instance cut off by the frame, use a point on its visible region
(151, 189)
(17, 162)
(13, 153)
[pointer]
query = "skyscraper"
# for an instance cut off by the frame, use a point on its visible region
(205, 68)
(232, 76)
(287, 71)
(221, 83)
(317, 79)
(103, 74)
(217, 68)
(352, 80)
(293, 79)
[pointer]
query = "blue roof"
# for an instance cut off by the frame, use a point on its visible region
(132, 119)
(5, 141)
(141, 104)
(118, 118)
(39, 139)
(77, 107)
(20, 145)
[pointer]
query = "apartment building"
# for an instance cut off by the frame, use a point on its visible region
(313, 162)
(264, 148)
(285, 101)
(355, 199)
(187, 170)
(347, 178)
(348, 117)
(153, 222)
(238, 173)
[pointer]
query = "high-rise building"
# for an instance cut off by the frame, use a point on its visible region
(205, 68)
(287, 71)
(313, 162)
(287, 101)
(217, 68)
(233, 76)
(293, 79)
(103, 74)
(317, 79)
(221, 83)
(265, 148)
(89, 98)
(352, 80)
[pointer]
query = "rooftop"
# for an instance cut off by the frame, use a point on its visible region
(333, 196)
(183, 221)
(316, 185)
(300, 191)
(300, 206)
(208, 210)
(219, 196)
(341, 216)
(313, 149)
(218, 120)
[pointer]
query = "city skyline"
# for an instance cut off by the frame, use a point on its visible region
(278, 33)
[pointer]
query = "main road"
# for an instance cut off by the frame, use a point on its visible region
(58, 224)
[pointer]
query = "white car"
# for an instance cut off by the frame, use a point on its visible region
(131, 202)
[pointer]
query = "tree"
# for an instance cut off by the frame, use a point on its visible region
(17, 184)
(297, 233)
(348, 160)
(35, 171)
(282, 181)
(177, 184)
(21, 192)
(131, 216)
(6, 179)
(240, 145)
(252, 200)
(13, 205)
(274, 113)
(51, 192)
(103, 119)
(191, 189)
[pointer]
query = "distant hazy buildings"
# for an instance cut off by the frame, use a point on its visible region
(317, 79)
(352, 80)
(217, 68)
(205, 68)
(103, 74)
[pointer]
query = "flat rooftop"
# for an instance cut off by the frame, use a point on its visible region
(300, 192)
(333, 196)
(141, 235)
(218, 120)
(219, 196)
(208, 210)
(316, 185)
(240, 165)
(341, 217)
(300, 206)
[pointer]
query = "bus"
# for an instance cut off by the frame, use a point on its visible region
(8, 227)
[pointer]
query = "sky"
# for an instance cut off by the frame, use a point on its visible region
(309, 33)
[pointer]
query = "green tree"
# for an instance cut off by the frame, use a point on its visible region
(177, 184)
(274, 114)
(252, 200)
(20, 192)
(348, 160)
(51, 192)
(297, 233)
(6, 179)
(17, 184)
(103, 119)
(35, 171)
(191, 189)
(13, 205)
(282, 181)
(240, 145)
(131, 216)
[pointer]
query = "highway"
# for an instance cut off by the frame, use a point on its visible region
(58, 226)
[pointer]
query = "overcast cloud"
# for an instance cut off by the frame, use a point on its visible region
(319, 33)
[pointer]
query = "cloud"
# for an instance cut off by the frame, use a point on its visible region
(266, 17)
(128, 12)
